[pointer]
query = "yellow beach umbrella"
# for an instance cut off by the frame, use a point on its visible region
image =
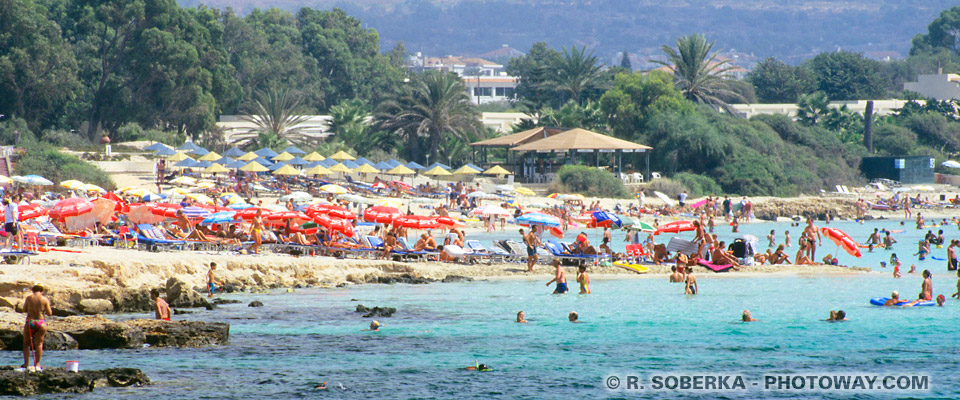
(335, 189)
(284, 157)
(317, 170)
(176, 192)
(339, 167)
(138, 192)
(342, 155)
(71, 184)
(200, 198)
(249, 156)
(523, 191)
(211, 156)
(314, 157)
(253, 166)
(497, 170)
(184, 180)
(401, 170)
(437, 171)
(287, 170)
(89, 187)
(215, 169)
(206, 185)
(367, 169)
(179, 156)
(465, 170)
(395, 203)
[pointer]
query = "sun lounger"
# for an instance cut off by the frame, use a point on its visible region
(684, 246)
(151, 238)
(557, 250)
(492, 254)
(16, 256)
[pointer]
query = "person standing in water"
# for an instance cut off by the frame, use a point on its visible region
(952, 255)
(212, 280)
(160, 307)
(926, 289)
(560, 278)
(812, 235)
(583, 279)
(35, 306)
(690, 283)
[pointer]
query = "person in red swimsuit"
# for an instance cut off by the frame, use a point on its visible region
(35, 328)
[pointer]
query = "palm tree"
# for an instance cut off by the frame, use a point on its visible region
(348, 123)
(697, 73)
(812, 108)
(275, 119)
(576, 72)
(434, 106)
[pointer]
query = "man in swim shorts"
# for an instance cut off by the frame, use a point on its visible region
(560, 278)
(212, 280)
(35, 305)
(160, 306)
(531, 240)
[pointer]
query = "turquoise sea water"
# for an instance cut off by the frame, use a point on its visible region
(640, 326)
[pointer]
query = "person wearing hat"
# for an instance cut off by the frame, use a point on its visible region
(35, 305)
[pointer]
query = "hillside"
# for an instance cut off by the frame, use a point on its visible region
(792, 30)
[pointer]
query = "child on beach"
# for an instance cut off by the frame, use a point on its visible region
(771, 239)
(896, 273)
(735, 224)
(786, 239)
(212, 280)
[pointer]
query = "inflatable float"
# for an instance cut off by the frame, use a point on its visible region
(714, 267)
(878, 301)
(640, 269)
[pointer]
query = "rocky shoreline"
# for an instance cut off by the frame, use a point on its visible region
(87, 333)
(58, 380)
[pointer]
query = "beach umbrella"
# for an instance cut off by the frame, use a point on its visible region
(281, 217)
(642, 227)
(318, 170)
(381, 214)
(71, 184)
(491, 209)
(235, 164)
(448, 222)
(297, 197)
(339, 167)
(675, 227)
(149, 198)
(379, 185)
(224, 161)
(174, 192)
(71, 207)
(366, 169)
(314, 156)
(206, 185)
(288, 170)
(264, 162)
(31, 211)
(570, 197)
(603, 219)
(103, 210)
(200, 198)
(523, 191)
(482, 195)
(350, 164)
(89, 187)
(189, 146)
(436, 171)
(266, 153)
(231, 197)
(841, 239)
(187, 163)
(438, 164)
(165, 152)
(476, 168)
(497, 170)
(395, 203)
(254, 166)
(413, 165)
(951, 164)
(248, 157)
(401, 170)
(383, 166)
(157, 146)
(353, 198)
(538, 205)
(665, 198)
(234, 152)
(32, 180)
(341, 156)
(297, 161)
(329, 209)
(5, 180)
(211, 156)
(334, 189)
(199, 152)
(328, 162)
(250, 213)
(203, 164)
(393, 163)
(283, 157)
(293, 150)
(465, 170)
(538, 219)
(416, 222)
(143, 214)
(335, 224)
(363, 160)
(239, 206)
(222, 217)
(179, 156)
(215, 168)
(194, 212)
(184, 180)
(167, 210)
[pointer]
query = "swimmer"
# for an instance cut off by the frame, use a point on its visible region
(896, 272)
(374, 326)
(940, 300)
(560, 278)
(478, 367)
(833, 316)
(746, 317)
(926, 288)
(913, 269)
(690, 283)
(841, 316)
(583, 279)
(894, 299)
(521, 317)
(573, 317)
(677, 277)
(322, 386)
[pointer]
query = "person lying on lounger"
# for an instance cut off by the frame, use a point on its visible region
(721, 257)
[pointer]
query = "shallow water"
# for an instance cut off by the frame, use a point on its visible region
(630, 325)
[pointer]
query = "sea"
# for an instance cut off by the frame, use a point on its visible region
(634, 329)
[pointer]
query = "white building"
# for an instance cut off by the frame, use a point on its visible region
(880, 107)
(490, 89)
(937, 86)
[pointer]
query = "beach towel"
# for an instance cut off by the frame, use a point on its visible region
(714, 267)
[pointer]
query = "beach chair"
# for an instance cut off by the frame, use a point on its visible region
(151, 238)
(477, 248)
(16, 256)
(557, 251)
(409, 252)
(128, 240)
(517, 250)
(637, 252)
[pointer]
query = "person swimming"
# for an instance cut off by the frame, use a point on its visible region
(521, 317)
(560, 278)
(746, 317)
(574, 317)
(583, 279)
(479, 367)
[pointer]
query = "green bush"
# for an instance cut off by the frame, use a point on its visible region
(132, 132)
(66, 139)
(666, 186)
(45, 160)
(698, 185)
(589, 181)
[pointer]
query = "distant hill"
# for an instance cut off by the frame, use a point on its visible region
(792, 30)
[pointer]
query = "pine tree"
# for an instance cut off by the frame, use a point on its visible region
(625, 61)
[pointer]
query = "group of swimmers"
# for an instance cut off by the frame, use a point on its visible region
(573, 317)
(560, 278)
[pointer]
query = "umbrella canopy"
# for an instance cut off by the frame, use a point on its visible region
(393, 163)
(179, 156)
(642, 227)
(414, 165)
(211, 156)
(416, 222)
(165, 152)
(497, 170)
(200, 198)
(841, 239)
(266, 153)
(328, 162)
(187, 163)
(523, 191)
(157, 146)
(465, 170)
(676, 227)
(254, 166)
(295, 217)
(89, 187)
(222, 217)
(234, 164)
(184, 180)
(329, 209)
(32, 180)
(248, 157)
(339, 167)
(30, 211)
(5, 180)
(471, 165)
(604, 219)
(71, 184)
(437, 171)
(297, 161)
(665, 198)
(350, 164)
(366, 169)
(394, 203)
(381, 214)
(172, 192)
(233, 152)
(335, 189)
(250, 213)
(287, 170)
(438, 164)
(283, 157)
(401, 170)
(491, 209)
(189, 146)
(293, 150)
(538, 205)
(342, 155)
(71, 207)
(297, 197)
(383, 166)
(482, 195)
(195, 212)
(363, 160)
(215, 168)
(143, 214)
(538, 219)
(335, 224)
(353, 198)
(318, 170)
(263, 161)
(276, 166)
(314, 156)
(203, 164)
(206, 185)
(139, 192)
(149, 198)
(951, 164)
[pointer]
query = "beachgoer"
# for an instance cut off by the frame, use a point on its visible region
(583, 279)
(479, 368)
(256, 228)
(926, 288)
(573, 317)
(375, 326)
(940, 300)
(746, 317)
(36, 306)
(212, 280)
(894, 299)
(888, 241)
(841, 316)
(521, 317)
(735, 224)
(952, 255)
(11, 215)
(532, 242)
(160, 306)
(690, 283)
(771, 239)
(874, 237)
(560, 278)
(896, 270)
(676, 276)
(786, 239)
(833, 316)
(813, 238)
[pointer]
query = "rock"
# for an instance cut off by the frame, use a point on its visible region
(177, 311)
(182, 333)
(210, 306)
(376, 311)
(225, 301)
(255, 303)
(180, 295)
(58, 380)
(405, 278)
(101, 333)
(456, 278)
(95, 306)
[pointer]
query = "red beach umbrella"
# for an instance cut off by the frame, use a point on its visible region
(448, 221)
(166, 210)
(335, 224)
(676, 227)
(281, 217)
(250, 213)
(31, 211)
(329, 209)
(381, 214)
(416, 222)
(841, 239)
(71, 207)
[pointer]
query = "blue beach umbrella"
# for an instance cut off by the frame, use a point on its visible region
(186, 163)
(224, 161)
(350, 164)
(189, 147)
(437, 164)
(266, 153)
(474, 167)
(239, 206)
(362, 160)
(152, 197)
(157, 146)
(383, 166)
(199, 152)
(277, 166)
(166, 151)
(329, 162)
(203, 164)
(393, 163)
(414, 166)
(195, 212)
(263, 161)
(601, 217)
(298, 161)
(235, 164)
(233, 152)
(538, 219)
(221, 217)
(293, 150)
